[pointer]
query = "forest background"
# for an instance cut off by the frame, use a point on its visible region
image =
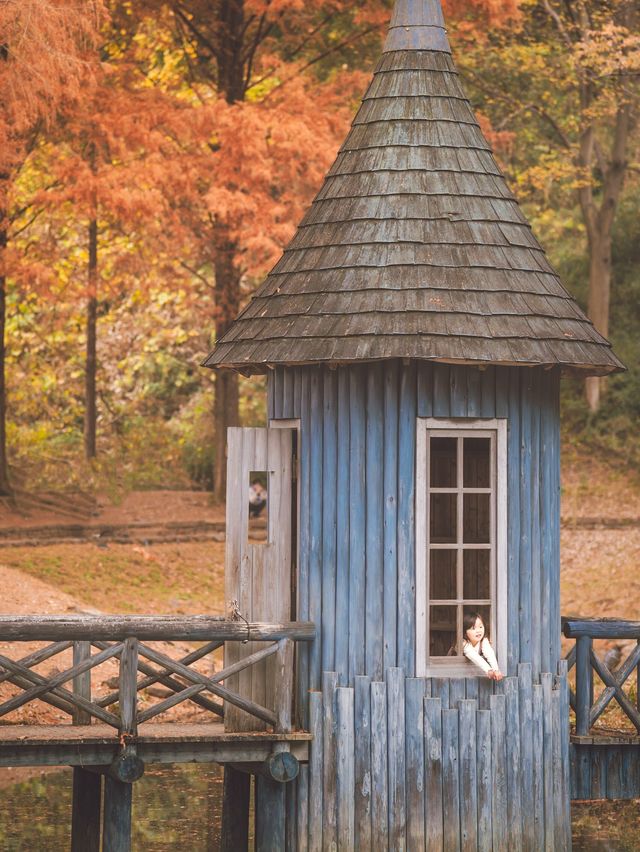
(155, 157)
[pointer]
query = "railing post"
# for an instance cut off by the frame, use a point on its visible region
(584, 684)
(128, 689)
(284, 685)
(87, 785)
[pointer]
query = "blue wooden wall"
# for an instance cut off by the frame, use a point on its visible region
(356, 573)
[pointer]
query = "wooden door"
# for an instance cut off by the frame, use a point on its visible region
(257, 567)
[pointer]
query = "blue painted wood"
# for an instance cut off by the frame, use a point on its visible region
(485, 691)
(598, 772)
(488, 393)
(302, 812)
(536, 600)
(501, 391)
(584, 684)
(357, 510)
(406, 522)
(441, 390)
(524, 539)
(433, 774)
(345, 765)
(547, 528)
(271, 406)
(513, 486)
(415, 772)
(374, 656)
(458, 389)
(315, 527)
(472, 688)
(499, 764)
(330, 770)
(329, 516)
(303, 653)
(316, 772)
(537, 732)
(396, 758)
(342, 551)
(297, 392)
(363, 762)
(525, 701)
(287, 394)
(425, 389)
(559, 828)
(291, 815)
(553, 501)
(615, 783)
(484, 774)
(450, 780)
(474, 392)
(278, 390)
(269, 815)
(390, 567)
(440, 689)
(546, 681)
(468, 778)
(457, 690)
(514, 767)
(562, 684)
(379, 774)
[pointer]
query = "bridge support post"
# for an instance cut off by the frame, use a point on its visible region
(85, 814)
(116, 835)
(270, 815)
(236, 792)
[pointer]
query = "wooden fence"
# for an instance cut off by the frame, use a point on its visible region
(587, 708)
(141, 666)
(432, 764)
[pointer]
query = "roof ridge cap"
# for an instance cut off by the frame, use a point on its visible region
(417, 25)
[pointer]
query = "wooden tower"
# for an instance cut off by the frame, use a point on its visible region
(414, 335)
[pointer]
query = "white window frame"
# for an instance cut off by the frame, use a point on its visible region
(459, 427)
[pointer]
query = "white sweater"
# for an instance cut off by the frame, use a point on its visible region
(486, 662)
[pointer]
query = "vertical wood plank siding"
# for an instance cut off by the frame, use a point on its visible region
(357, 536)
(383, 785)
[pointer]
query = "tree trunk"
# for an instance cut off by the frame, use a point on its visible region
(5, 485)
(226, 410)
(90, 411)
(599, 300)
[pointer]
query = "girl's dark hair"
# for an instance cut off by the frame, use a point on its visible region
(468, 621)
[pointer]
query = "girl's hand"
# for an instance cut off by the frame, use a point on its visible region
(494, 674)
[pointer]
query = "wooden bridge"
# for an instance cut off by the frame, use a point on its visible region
(108, 735)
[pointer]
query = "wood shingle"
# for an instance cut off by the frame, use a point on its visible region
(414, 247)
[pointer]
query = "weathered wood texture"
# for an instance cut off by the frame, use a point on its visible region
(257, 575)
(604, 771)
(456, 777)
(414, 247)
(372, 624)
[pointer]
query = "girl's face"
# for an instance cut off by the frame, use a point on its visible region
(475, 634)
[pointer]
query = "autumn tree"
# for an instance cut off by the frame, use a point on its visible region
(43, 61)
(565, 82)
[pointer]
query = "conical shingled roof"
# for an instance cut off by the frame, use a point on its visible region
(414, 247)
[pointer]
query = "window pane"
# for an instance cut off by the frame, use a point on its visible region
(258, 506)
(476, 518)
(443, 519)
(476, 582)
(443, 462)
(442, 631)
(476, 462)
(485, 613)
(442, 574)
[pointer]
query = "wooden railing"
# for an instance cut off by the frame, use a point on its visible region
(94, 640)
(587, 708)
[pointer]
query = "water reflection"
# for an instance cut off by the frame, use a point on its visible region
(173, 806)
(181, 805)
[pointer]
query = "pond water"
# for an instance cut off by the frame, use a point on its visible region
(180, 806)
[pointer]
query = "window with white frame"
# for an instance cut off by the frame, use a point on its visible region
(460, 539)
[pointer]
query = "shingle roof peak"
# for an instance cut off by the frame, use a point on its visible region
(417, 25)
